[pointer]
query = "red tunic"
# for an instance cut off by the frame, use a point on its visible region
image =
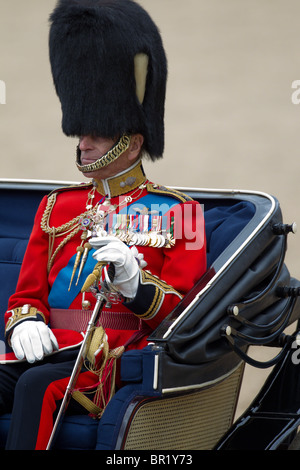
(45, 275)
(169, 274)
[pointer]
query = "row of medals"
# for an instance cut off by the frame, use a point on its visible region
(130, 229)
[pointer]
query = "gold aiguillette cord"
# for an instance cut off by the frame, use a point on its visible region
(86, 250)
(80, 249)
(76, 263)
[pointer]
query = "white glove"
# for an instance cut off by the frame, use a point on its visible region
(32, 340)
(127, 264)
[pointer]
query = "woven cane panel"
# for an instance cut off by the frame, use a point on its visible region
(194, 421)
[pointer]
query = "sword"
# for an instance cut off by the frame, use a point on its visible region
(101, 299)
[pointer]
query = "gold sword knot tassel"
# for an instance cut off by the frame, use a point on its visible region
(93, 277)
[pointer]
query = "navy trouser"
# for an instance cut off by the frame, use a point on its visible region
(22, 388)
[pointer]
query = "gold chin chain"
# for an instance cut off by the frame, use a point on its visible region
(121, 146)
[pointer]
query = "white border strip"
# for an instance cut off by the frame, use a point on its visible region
(155, 372)
(202, 385)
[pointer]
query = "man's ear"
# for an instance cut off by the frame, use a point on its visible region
(135, 147)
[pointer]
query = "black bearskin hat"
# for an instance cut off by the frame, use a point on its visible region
(109, 70)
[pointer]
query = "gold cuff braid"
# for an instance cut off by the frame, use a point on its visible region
(22, 313)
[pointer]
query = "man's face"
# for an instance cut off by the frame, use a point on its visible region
(93, 148)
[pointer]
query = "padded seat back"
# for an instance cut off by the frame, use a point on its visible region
(223, 222)
(17, 211)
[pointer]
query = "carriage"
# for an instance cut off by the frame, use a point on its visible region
(182, 390)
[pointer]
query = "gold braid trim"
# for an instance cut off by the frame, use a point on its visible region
(60, 246)
(148, 278)
(161, 289)
(155, 305)
(63, 229)
(166, 191)
(68, 230)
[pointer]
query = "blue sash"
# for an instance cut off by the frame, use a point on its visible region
(60, 296)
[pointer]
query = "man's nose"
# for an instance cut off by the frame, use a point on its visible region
(85, 143)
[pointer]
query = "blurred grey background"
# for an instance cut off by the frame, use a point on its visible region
(230, 119)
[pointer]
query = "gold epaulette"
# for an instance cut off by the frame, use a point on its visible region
(166, 191)
(71, 188)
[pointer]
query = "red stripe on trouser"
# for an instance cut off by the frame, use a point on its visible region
(55, 392)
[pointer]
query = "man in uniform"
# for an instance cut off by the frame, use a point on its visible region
(109, 70)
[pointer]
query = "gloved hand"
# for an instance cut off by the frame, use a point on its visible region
(127, 262)
(32, 340)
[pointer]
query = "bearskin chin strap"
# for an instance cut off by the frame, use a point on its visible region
(104, 389)
(115, 152)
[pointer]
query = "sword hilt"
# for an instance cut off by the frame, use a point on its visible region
(96, 275)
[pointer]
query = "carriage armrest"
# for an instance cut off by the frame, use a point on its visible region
(136, 365)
